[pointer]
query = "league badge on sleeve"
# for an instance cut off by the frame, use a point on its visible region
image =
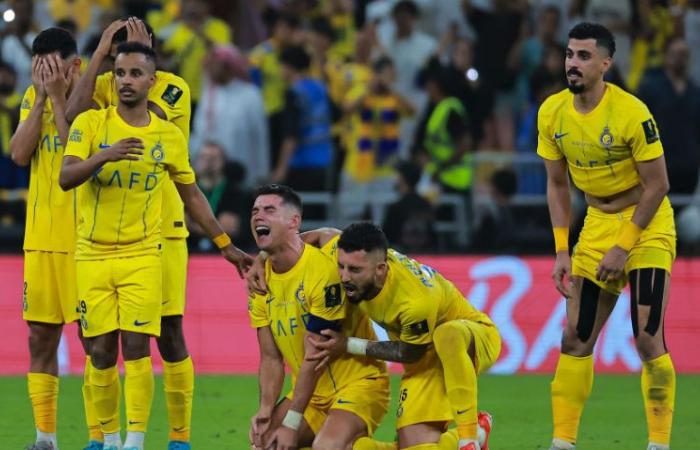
(171, 95)
(333, 295)
(650, 132)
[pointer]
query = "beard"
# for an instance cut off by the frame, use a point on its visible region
(576, 88)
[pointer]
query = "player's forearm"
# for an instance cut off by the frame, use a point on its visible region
(62, 125)
(320, 236)
(559, 203)
(76, 171)
(271, 379)
(396, 351)
(306, 381)
(80, 99)
(652, 196)
(24, 142)
(200, 211)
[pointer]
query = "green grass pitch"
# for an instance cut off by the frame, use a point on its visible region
(520, 404)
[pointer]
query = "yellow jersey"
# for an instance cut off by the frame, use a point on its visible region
(51, 212)
(601, 147)
(172, 94)
(312, 288)
(120, 205)
(266, 73)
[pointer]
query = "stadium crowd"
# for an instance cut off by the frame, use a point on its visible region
(417, 114)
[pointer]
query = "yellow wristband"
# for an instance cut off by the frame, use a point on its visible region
(628, 235)
(561, 239)
(222, 240)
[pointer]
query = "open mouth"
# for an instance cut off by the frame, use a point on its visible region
(262, 230)
(126, 91)
(350, 289)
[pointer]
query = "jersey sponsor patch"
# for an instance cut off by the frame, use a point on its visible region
(650, 132)
(76, 135)
(171, 95)
(419, 328)
(332, 295)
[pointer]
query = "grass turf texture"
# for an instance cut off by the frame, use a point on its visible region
(223, 406)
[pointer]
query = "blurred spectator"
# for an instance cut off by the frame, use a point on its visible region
(83, 13)
(369, 164)
(691, 25)
(10, 100)
(495, 224)
(444, 139)
(13, 179)
(497, 32)
(410, 49)
(189, 39)
(674, 101)
(17, 41)
(306, 151)
(266, 72)
(408, 222)
(231, 112)
(220, 184)
(325, 66)
(339, 14)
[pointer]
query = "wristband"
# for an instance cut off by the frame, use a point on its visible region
(222, 241)
(263, 255)
(292, 419)
(561, 239)
(357, 346)
(629, 235)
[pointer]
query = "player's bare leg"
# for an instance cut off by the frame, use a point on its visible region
(42, 379)
(178, 381)
(105, 386)
(587, 310)
(138, 386)
(650, 289)
(339, 431)
(95, 438)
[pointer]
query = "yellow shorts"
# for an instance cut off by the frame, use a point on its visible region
(174, 261)
(49, 294)
(120, 294)
(367, 398)
(656, 247)
(422, 394)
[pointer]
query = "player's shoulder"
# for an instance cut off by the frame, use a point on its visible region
(625, 103)
(96, 115)
(169, 88)
(555, 102)
(315, 256)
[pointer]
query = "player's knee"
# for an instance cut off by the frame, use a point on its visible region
(572, 345)
(171, 343)
(135, 345)
(329, 443)
(43, 341)
(450, 336)
(103, 356)
(648, 346)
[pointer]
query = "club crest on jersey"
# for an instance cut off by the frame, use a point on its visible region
(171, 95)
(299, 294)
(76, 135)
(157, 152)
(606, 138)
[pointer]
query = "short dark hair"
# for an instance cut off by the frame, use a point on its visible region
(272, 17)
(121, 35)
(382, 63)
(505, 181)
(295, 57)
(410, 172)
(54, 39)
(137, 47)
(322, 26)
(587, 30)
(408, 6)
(363, 236)
(288, 195)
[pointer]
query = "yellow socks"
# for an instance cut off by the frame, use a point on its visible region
(571, 387)
(105, 389)
(452, 341)
(178, 381)
(43, 393)
(94, 431)
(138, 393)
(366, 443)
(659, 393)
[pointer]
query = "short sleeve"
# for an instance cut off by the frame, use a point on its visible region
(257, 311)
(104, 90)
(325, 296)
(27, 104)
(330, 248)
(546, 145)
(173, 97)
(80, 136)
(417, 323)
(644, 137)
(179, 163)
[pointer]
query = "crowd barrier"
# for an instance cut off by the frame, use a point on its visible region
(516, 292)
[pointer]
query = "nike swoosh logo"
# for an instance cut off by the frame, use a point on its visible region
(342, 402)
(133, 422)
(140, 324)
(178, 429)
(163, 303)
(559, 135)
(105, 423)
(104, 145)
(462, 411)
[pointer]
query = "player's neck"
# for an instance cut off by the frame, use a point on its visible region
(586, 102)
(285, 257)
(136, 115)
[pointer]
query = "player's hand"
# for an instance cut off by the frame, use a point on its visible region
(259, 424)
(136, 31)
(238, 258)
(326, 348)
(104, 47)
(612, 267)
(562, 272)
(255, 277)
(283, 439)
(128, 148)
(38, 77)
(55, 81)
